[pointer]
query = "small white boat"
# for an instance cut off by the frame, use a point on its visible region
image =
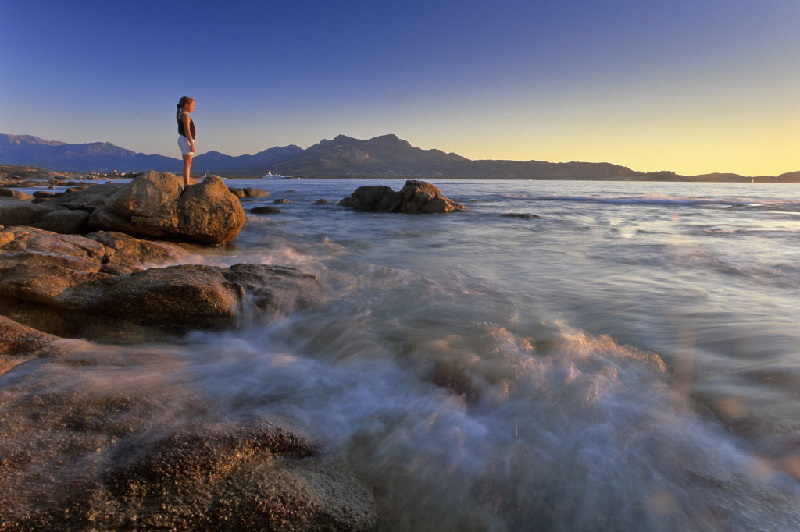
(270, 175)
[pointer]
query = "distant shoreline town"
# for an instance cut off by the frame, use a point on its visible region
(384, 157)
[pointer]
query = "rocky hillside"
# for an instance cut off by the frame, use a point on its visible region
(93, 157)
(342, 156)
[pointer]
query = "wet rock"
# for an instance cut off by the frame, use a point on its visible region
(423, 198)
(16, 338)
(19, 343)
(255, 193)
(178, 296)
(416, 197)
(282, 201)
(197, 296)
(322, 202)
(265, 210)
(199, 452)
(87, 446)
(373, 198)
(105, 274)
(255, 476)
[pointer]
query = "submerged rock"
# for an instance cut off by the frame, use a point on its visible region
(265, 209)
(520, 215)
(98, 440)
(416, 197)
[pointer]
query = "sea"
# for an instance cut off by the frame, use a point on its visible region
(564, 355)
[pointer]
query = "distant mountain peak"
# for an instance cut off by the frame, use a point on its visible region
(27, 139)
(382, 156)
(391, 139)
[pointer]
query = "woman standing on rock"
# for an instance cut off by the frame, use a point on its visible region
(186, 138)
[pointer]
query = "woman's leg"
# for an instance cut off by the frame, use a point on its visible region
(187, 167)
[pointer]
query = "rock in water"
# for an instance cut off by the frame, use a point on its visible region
(416, 197)
(155, 204)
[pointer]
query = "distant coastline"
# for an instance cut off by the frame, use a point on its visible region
(383, 157)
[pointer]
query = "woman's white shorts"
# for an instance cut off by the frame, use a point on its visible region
(183, 144)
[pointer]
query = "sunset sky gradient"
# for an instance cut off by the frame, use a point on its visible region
(692, 86)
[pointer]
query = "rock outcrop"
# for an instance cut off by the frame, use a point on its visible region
(155, 205)
(63, 284)
(416, 197)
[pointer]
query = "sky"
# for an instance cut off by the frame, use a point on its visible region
(691, 86)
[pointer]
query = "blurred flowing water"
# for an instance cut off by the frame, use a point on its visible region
(627, 361)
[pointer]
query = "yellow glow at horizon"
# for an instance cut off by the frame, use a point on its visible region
(747, 127)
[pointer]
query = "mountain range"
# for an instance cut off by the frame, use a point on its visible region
(383, 156)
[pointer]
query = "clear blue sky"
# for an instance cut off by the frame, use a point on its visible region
(688, 85)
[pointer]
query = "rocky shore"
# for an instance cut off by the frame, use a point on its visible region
(88, 281)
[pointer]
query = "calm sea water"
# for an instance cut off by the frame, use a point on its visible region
(627, 361)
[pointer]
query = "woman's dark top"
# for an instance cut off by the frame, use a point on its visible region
(181, 129)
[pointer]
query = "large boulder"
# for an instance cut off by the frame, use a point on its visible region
(155, 204)
(416, 197)
(62, 283)
(420, 197)
(208, 213)
(198, 296)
